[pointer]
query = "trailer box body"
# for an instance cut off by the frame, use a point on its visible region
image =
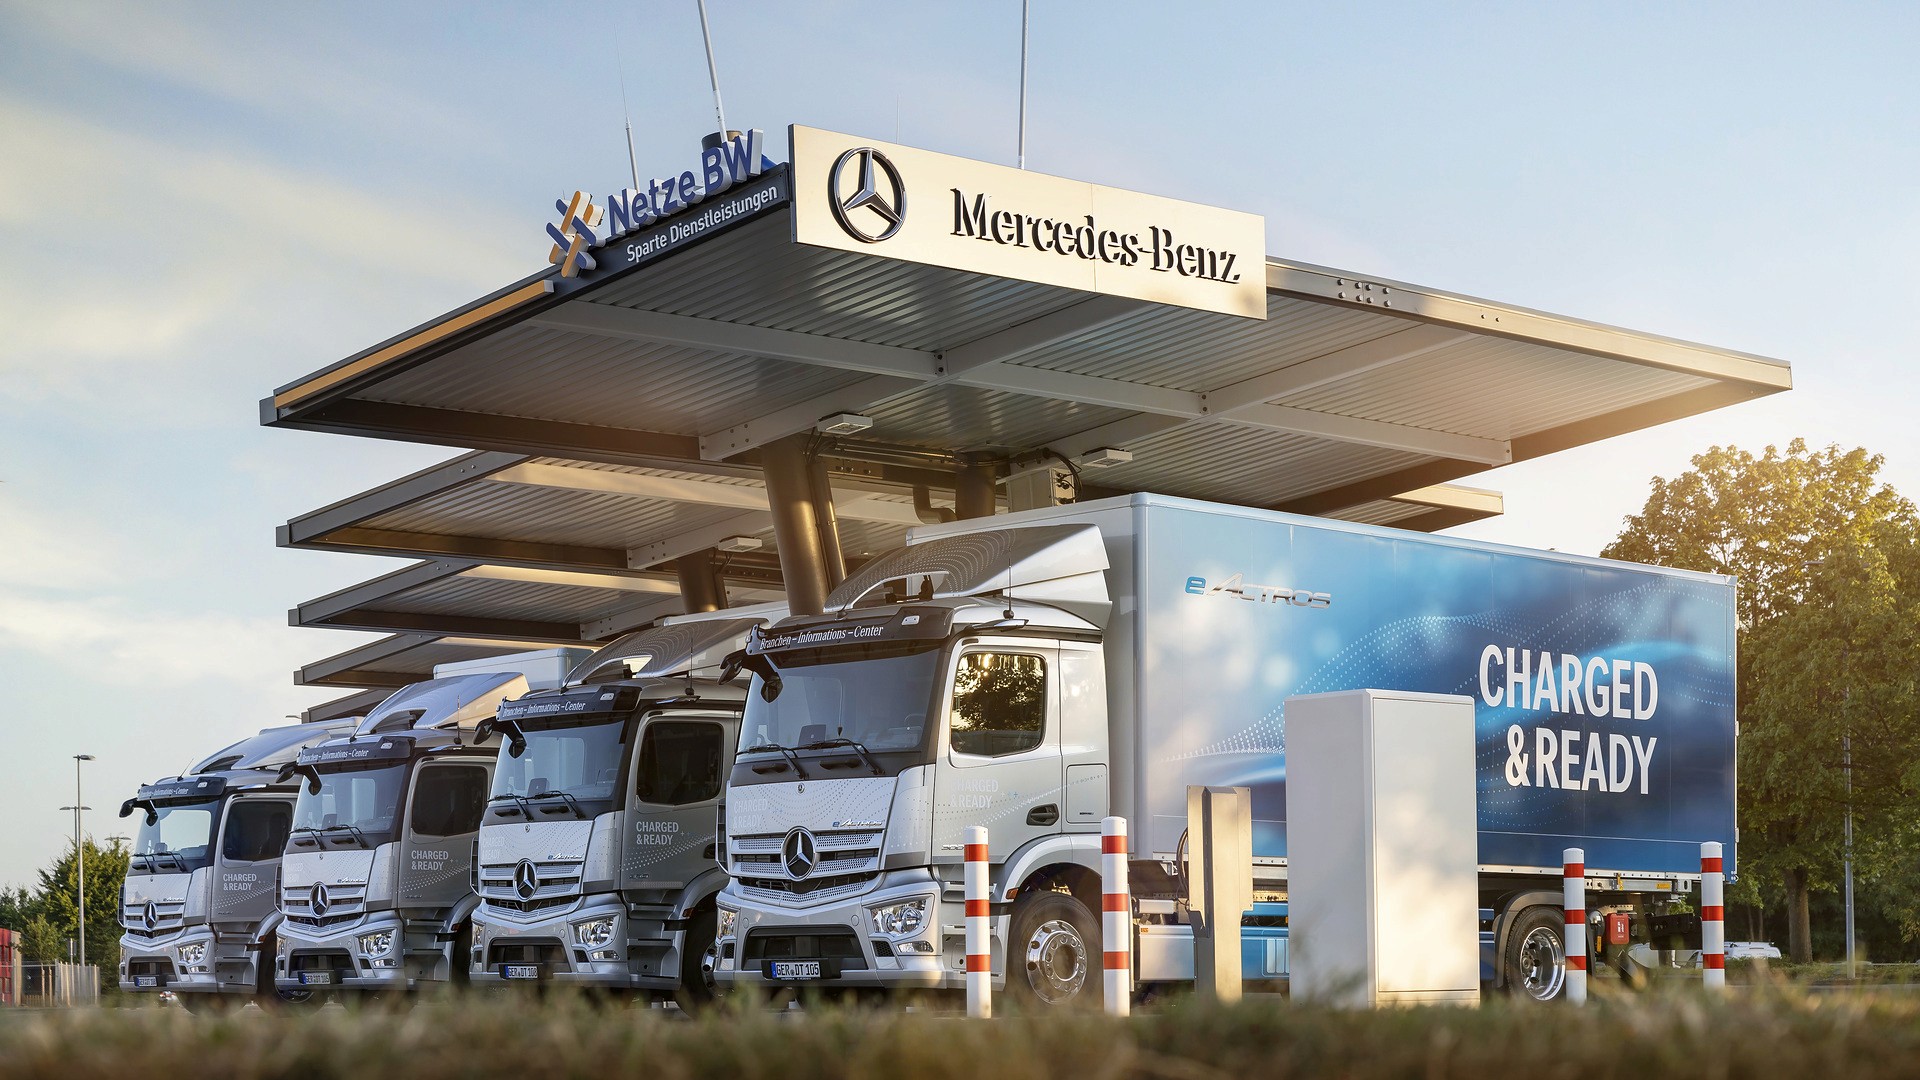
(1604, 691)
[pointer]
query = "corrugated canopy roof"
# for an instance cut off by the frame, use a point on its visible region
(623, 411)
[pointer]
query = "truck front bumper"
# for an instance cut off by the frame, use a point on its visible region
(550, 948)
(845, 940)
(190, 962)
(333, 959)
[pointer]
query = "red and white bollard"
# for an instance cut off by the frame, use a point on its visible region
(1573, 898)
(1116, 916)
(979, 930)
(1713, 919)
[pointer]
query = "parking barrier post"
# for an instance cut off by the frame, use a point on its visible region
(1573, 898)
(979, 930)
(1116, 916)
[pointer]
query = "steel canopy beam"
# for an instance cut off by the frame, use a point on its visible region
(633, 324)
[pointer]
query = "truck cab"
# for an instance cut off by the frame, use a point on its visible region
(598, 862)
(197, 908)
(376, 884)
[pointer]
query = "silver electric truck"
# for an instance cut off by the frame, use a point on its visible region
(1035, 672)
(376, 886)
(198, 910)
(598, 865)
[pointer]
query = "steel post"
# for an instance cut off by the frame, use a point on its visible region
(700, 586)
(973, 494)
(1220, 889)
(796, 526)
(827, 521)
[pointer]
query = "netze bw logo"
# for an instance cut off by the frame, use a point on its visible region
(1260, 594)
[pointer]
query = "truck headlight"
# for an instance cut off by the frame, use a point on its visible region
(594, 933)
(900, 920)
(723, 922)
(194, 953)
(378, 943)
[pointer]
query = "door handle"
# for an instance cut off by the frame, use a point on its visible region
(1048, 814)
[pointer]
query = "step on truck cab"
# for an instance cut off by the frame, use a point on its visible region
(198, 908)
(1036, 672)
(598, 864)
(376, 887)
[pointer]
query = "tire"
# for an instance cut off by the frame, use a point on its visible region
(1053, 952)
(460, 963)
(698, 957)
(265, 993)
(204, 1004)
(1535, 959)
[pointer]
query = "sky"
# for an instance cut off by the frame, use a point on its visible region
(200, 202)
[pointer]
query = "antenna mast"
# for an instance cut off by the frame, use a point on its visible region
(713, 73)
(1023, 82)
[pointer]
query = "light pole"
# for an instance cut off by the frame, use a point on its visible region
(1846, 766)
(79, 852)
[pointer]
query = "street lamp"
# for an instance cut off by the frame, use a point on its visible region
(79, 852)
(1846, 766)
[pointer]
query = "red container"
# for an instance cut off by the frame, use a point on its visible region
(1617, 928)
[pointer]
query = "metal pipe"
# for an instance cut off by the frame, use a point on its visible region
(924, 509)
(713, 72)
(1846, 750)
(796, 528)
(827, 520)
(700, 586)
(973, 494)
(1023, 82)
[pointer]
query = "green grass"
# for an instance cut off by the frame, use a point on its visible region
(1753, 1033)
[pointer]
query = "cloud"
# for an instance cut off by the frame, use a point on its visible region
(44, 550)
(200, 266)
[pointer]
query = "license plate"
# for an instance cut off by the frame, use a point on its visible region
(793, 969)
(519, 971)
(316, 978)
(146, 980)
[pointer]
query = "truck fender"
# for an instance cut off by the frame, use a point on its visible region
(1503, 919)
(461, 911)
(698, 891)
(1079, 849)
(268, 927)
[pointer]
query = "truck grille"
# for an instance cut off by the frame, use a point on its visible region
(846, 862)
(558, 884)
(168, 916)
(345, 903)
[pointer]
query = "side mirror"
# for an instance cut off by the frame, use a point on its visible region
(285, 774)
(730, 667)
(516, 745)
(483, 730)
(126, 808)
(153, 816)
(313, 783)
(770, 684)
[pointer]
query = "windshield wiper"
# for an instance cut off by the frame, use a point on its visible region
(153, 856)
(851, 744)
(525, 810)
(358, 836)
(317, 838)
(784, 751)
(554, 793)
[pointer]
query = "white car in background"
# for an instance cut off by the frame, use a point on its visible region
(1752, 950)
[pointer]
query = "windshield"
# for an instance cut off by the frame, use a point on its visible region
(177, 841)
(353, 807)
(877, 695)
(581, 760)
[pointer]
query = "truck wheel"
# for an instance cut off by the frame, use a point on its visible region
(1053, 951)
(1536, 959)
(698, 958)
(460, 964)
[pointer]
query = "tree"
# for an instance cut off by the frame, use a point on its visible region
(57, 900)
(1829, 594)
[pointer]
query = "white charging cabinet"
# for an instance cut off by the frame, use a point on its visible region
(1382, 849)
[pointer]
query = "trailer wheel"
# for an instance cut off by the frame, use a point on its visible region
(1536, 958)
(698, 958)
(1053, 951)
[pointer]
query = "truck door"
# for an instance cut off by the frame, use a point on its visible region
(442, 818)
(253, 834)
(1001, 764)
(677, 779)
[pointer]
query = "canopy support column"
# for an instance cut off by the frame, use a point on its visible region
(796, 524)
(973, 495)
(700, 585)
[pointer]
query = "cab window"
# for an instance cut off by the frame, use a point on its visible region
(256, 830)
(999, 704)
(679, 763)
(448, 800)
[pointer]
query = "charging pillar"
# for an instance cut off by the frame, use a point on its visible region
(1219, 884)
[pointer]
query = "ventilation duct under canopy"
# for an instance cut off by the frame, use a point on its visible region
(1060, 565)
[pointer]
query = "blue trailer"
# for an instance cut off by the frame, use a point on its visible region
(1037, 671)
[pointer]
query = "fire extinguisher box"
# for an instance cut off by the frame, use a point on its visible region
(1383, 863)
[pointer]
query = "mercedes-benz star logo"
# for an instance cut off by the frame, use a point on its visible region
(890, 208)
(150, 916)
(800, 853)
(526, 879)
(318, 899)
